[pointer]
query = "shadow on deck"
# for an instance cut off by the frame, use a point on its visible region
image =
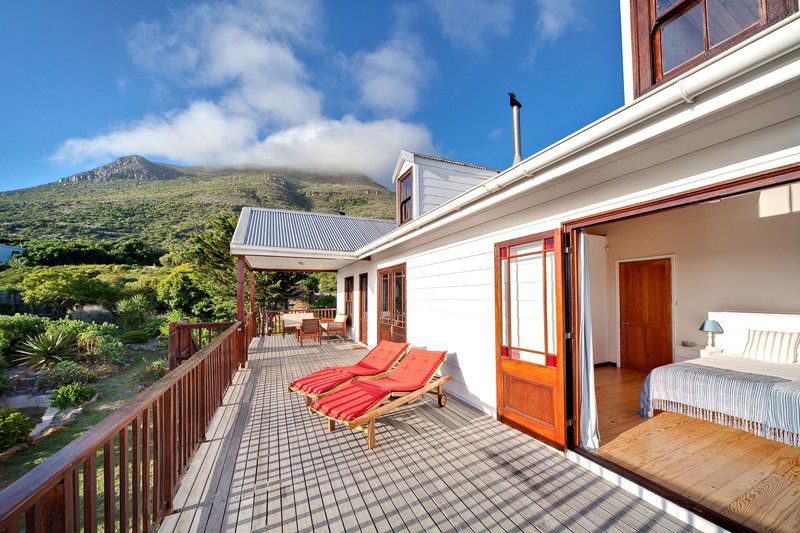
(268, 463)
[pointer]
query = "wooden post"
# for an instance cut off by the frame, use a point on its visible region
(240, 288)
(252, 291)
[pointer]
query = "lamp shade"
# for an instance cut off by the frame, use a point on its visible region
(711, 326)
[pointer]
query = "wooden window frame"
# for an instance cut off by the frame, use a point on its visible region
(550, 352)
(401, 202)
(646, 37)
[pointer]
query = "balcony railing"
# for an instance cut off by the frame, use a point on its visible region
(124, 471)
(270, 318)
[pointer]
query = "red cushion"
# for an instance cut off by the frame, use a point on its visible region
(383, 356)
(358, 397)
(351, 401)
(321, 380)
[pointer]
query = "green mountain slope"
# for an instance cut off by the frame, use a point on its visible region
(163, 203)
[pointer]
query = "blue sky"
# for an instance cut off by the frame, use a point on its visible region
(330, 86)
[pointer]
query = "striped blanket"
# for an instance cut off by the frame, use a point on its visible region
(765, 405)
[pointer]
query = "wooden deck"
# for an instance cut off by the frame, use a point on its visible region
(267, 463)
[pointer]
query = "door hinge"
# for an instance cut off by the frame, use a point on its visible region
(568, 335)
(570, 422)
(568, 250)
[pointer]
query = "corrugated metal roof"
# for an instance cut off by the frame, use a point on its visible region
(277, 228)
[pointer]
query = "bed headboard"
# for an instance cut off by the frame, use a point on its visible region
(735, 324)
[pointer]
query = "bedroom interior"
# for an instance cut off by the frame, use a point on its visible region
(718, 424)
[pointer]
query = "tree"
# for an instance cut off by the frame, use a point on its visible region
(180, 289)
(210, 258)
(63, 288)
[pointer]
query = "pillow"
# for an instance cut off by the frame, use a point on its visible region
(772, 346)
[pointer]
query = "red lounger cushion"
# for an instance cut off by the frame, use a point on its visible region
(378, 360)
(358, 397)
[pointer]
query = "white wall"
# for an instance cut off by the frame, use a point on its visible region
(726, 258)
(598, 286)
(438, 182)
(627, 49)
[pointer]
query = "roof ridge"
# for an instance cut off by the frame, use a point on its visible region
(315, 213)
(454, 162)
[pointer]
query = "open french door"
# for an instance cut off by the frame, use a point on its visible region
(529, 336)
(392, 303)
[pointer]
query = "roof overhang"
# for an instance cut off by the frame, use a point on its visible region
(277, 259)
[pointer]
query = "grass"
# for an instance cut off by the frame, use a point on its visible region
(115, 391)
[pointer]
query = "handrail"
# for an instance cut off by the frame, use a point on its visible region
(170, 417)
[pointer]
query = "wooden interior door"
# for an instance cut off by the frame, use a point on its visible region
(645, 311)
(362, 307)
(392, 303)
(529, 336)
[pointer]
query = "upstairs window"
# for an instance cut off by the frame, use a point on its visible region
(672, 36)
(404, 194)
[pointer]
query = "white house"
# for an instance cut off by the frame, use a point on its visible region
(560, 284)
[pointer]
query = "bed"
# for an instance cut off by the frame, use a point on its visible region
(753, 385)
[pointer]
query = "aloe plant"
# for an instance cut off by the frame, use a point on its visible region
(46, 349)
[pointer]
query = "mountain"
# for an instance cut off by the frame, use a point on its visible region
(162, 203)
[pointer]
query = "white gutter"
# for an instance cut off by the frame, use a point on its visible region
(777, 41)
(297, 253)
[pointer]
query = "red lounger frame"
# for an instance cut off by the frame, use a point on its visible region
(358, 403)
(375, 364)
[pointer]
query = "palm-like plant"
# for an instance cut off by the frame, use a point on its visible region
(46, 349)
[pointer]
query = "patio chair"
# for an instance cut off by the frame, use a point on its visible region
(309, 329)
(290, 322)
(336, 327)
(376, 363)
(357, 404)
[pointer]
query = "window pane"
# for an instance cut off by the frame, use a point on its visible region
(399, 293)
(527, 306)
(405, 189)
(504, 302)
(550, 286)
(682, 38)
(385, 298)
(726, 18)
(663, 5)
(528, 247)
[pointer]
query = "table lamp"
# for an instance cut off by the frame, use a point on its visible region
(711, 327)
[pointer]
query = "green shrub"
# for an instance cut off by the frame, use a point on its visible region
(175, 315)
(135, 337)
(152, 372)
(3, 362)
(324, 302)
(97, 343)
(46, 349)
(72, 395)
(134, 313)
(64, 373)
(14, 428)
(14, 329)
(5, 384)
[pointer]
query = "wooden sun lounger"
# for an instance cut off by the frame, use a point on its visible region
(375, 365)
(365, 422)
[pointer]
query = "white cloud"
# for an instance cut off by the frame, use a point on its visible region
(392, 76)
(554, 17)
(495, 134)
(471, 23)
(264, 109)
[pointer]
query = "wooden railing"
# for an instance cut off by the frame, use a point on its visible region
(123, 472)
(186, 338)
(271, 324)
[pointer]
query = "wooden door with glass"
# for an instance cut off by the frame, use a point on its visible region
(363, 288)
(529, 336)
(392, 303)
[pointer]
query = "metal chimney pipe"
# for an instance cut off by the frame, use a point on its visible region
(515, 107)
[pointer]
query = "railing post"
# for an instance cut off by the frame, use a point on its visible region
(172, 348)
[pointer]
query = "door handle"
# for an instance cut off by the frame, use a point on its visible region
(621, 323)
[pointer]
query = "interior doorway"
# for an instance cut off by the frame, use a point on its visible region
(645, 313)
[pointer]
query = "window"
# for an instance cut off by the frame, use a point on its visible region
(404, 194)
(672, 36)
(399, 315)
(348, 299)
(385, 298)
(527, 301)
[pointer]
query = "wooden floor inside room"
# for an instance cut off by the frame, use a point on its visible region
(753, 480)
(617, 400)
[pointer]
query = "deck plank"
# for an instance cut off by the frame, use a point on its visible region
(268, 464)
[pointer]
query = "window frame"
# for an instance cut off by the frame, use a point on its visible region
(401, 201)
(646, 28)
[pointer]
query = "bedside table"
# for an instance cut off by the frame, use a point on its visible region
(713, 351)
(684, 353)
